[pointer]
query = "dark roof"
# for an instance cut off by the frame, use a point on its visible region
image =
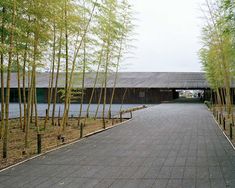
(180, 80)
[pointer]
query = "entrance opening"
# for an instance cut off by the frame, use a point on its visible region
(193, 96)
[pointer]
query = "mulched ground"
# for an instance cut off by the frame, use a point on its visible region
(227, 124)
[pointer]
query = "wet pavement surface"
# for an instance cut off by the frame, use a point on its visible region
(165, 146)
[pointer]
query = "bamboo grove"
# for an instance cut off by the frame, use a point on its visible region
(218, 53)
(67, 37)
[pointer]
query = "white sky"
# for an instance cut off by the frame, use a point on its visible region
(168, 34)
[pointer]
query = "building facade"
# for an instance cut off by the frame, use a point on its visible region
(131, 87)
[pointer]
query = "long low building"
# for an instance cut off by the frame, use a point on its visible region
(132, 87)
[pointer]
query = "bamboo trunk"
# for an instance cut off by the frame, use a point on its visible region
(116, 75)
(5, 138)
(51, 84)
(105, 82)
(113, 92)
(95, 82)
(112, 96)
(123, 98)
(232, 101)
(77, 49)
(29, 106)
(35, 99)
(83, 83)
(56, 81)
(2, 78)
(99, 101)
(24, 92)
(19, 90)
(32, 101)
(64, 123)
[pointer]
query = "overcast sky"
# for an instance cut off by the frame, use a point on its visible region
(167, 36)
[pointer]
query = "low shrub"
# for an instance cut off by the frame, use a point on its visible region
(208, 104)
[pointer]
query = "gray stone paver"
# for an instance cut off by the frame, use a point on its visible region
(165, 146)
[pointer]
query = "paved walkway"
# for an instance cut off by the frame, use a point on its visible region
(169, 145)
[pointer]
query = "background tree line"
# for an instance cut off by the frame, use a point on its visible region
(69, 36)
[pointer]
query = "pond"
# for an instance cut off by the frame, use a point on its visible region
(74, 109)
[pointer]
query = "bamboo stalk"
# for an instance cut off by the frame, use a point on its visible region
(24, 91)
(19, 90)
(99, 101)
(2, 78)
(57, 79)
(95, 82)
(123, 98)
(66, 66)
(51, 84)
(6, 129)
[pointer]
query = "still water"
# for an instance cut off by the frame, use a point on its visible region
(74, 109)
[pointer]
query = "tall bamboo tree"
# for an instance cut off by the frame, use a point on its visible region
(10, 53)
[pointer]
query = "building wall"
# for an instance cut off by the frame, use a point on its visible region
(14, 98)
(133, 96)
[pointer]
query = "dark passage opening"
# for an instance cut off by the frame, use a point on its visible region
(189, 96)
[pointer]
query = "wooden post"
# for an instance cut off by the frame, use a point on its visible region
(121, 116)
(39, 143)
(47, 113)
(224, 123)
(103, 120)
(131, 113)
(220, 118)
(231, 131)
(81, 130)
(112, 121)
